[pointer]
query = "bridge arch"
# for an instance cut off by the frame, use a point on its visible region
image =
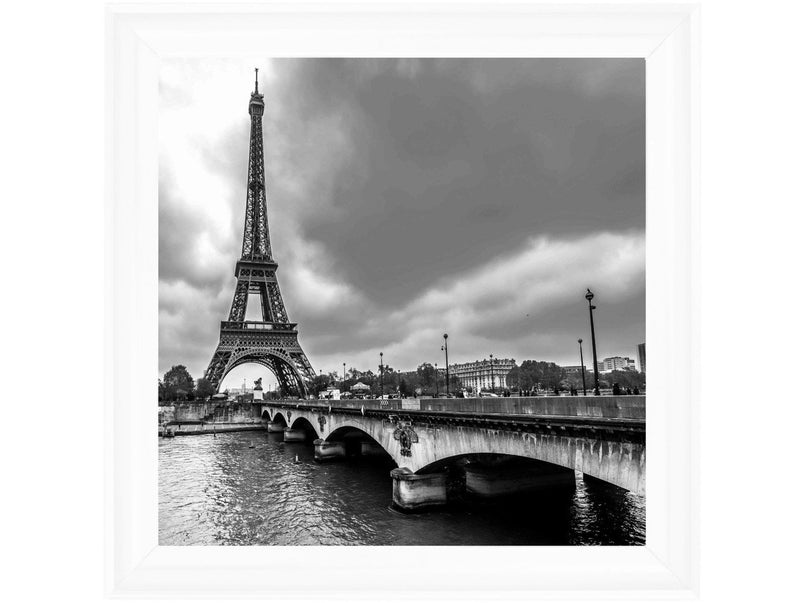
(304, 424)
(490, 459)
(483, 458)
(346, 431)
(619, 463)
(279, 418)
(358, 442)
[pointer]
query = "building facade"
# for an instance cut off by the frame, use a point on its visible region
(616, 363)
(490, 374)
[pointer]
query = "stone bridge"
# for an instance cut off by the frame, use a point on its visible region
(602, 437)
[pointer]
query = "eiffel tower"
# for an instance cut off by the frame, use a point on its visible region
(273, 341)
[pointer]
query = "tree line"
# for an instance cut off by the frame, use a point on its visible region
(534, 375)
(177, 384)
(424, 381)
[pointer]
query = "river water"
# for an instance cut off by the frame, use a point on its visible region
(248, 489)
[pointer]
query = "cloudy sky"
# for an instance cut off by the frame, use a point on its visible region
(408, 198)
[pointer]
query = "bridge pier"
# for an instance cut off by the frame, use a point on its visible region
(328, 451)
(275, 427)
(487, 481)
(295, 435)
(412, 492)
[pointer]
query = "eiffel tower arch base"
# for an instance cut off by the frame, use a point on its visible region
(279, 353)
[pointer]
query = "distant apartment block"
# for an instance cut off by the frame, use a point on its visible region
(616, 363)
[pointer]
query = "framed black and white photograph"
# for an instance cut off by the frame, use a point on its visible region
(432, 210)
(395, 273)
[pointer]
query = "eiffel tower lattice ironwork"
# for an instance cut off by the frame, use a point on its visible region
(273, 341)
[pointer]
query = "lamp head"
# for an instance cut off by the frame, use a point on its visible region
(589, 295)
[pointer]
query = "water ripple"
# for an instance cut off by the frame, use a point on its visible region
(219, 491)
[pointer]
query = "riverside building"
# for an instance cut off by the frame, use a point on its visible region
(484, 374)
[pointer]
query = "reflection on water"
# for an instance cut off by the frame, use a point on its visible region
(224, 491)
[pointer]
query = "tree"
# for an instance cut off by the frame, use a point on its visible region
(533, 373)
(405, 388)
(427, 376)
(626, 379)
(177, 378)
(203, 388)
(321, 382)
(390, 380)
(454, 384)
(576, 380)
(515, 379)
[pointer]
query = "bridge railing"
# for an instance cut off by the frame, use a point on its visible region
(616, 407)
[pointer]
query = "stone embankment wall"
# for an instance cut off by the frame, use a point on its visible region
(196, 418)
(166, 414)
(217, 412)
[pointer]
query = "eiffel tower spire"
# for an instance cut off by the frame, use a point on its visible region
(273, 341)
(256, 240)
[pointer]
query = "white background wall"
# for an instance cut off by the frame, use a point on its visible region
(52, 214)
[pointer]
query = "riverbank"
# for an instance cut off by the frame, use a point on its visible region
(208, 428)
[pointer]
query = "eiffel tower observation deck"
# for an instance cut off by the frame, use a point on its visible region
(273, 341)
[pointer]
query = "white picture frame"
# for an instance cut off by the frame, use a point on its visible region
(667, 36)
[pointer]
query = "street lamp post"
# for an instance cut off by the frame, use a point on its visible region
(589, 297)
(436, 378)
(344, 376)
(491, 361)
(583, 368)
(382, 376)
(446, 355)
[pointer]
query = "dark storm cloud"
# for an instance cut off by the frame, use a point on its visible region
(450, 174)
(409, 197)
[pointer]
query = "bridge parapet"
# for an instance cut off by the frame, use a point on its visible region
(611, 407)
